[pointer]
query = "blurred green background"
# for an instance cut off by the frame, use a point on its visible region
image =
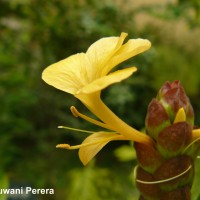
(36, 33)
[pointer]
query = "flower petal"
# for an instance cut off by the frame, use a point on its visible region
(100, 52)
(95, 143)
(105, 81)
(68, 75)
(128, 50)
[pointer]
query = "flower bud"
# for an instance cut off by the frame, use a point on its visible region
(162, 111)
(172, 96)
(166, 169)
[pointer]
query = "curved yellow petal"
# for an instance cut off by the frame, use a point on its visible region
(68, 75)
(132, 48)
(105, 81)
(100, 52)
(128, 50)
(94, 143)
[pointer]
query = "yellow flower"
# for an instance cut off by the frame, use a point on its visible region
(84, 75)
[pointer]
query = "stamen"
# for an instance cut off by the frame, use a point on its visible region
(165, 180)
(180, 116)
(186, 148)
(75, 129)
(67, 146)
(74, 111)
(64, 146)
(135, 172)
(93, 121)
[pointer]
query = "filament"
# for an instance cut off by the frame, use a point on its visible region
(67, 146)
(75, 129)
(165, 180)
(197, 139)
(76, 113)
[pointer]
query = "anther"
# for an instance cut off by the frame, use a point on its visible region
(63, 146)
(74, 111)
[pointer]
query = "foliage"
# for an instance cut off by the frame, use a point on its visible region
(108, 186)
(37, 33)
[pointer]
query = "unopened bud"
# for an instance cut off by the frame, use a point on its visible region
(172, 96)
(163, 110)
